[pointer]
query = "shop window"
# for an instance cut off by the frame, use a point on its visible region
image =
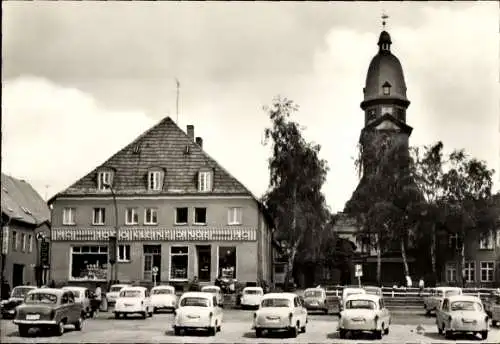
(178, 262)
(487, 269)
(89, 263)
(234, 216)
(131, 216)
(14, 240)
(151, 216)
(123, 253)
(181, 216)
(69, 216)
(200, 216)
(99, 216)
(227, 262)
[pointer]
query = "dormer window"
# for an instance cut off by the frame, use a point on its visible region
(386, 89)
(155, 180)
(205, 181)
(104, 180)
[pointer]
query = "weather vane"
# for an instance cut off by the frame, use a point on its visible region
(384, 17)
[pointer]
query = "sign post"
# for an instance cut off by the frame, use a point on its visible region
(359, 273)
(154, 270)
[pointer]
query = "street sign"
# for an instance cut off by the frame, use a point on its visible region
(154, 270)
(44, 253)
(359, 270)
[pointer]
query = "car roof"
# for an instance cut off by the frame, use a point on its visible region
(289, 296)
(54, 291)
(121, 285)
(197, 294)
(314, 289)
(69, 287)
(252, 288)
(463, 298)
(370, 297)
(135, 287)
(448, 288)
(163, 287)
(210, 287)
(353, 289)
(25, 287)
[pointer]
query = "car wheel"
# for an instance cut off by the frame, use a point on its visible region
(303, 329)
(212, 331)
(79, 324)
(177, 331)
(494, 323)
(342, 333)
(448, 334)
(144, 314)
(440, 330)
(484, 335)
(325, 311)
(294, 332)
(377, 334)
(23, 330)
(386, 330)
(117, 315)
(258, 332)
(155, 310)
(59, 330)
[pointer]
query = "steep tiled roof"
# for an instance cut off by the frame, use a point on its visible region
(21, 202)
(164, 147)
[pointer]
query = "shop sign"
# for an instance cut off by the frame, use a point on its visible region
(156, 234)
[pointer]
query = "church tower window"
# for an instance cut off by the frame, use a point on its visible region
(386, 89)
(386, 110)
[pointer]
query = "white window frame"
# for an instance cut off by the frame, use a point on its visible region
(170, 254)
(69, 216)
(154, 181)
(103, 178)
(175, 215)
(451, 269)
(152, 211)
(492, 271)
(123, 253)
(15, 240)
(24, 245)
(469, 271)
(135, 216)
(205, 181)
(99, 217)
(487, 242)
(30, 243)
(234, 216)
(194, 216)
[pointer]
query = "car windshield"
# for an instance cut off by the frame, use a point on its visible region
(452, 293)
(161, 292)
(313, 293)
(45, 298)
(360, 304)
(275, 303)
(252, 292)
(20, 292)
(130, 293)
(115, 289)
(466, 306)
(209, 290)
(194, 302)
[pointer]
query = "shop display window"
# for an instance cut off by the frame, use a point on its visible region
(227, 262)
(89, 263)
(178, 262)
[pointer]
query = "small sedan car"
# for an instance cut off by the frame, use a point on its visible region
(113, 293)
(373, 290)
(495, 311)
(434, 301)
(280, 312)
(346, 292)
(315, 300)
(49, 309)
(364, 313)
(16, 298)
(163, 297)
(133, 300)
(251, 297)
(198, 311)
(462, 314)
(490, 301)
(216, 291)
(82, 296)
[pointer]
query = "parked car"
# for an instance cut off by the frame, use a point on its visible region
(133, 300)
(198, 311)
(348, 291)
(280, 312)
(212, 289)
(163, 298)
(495, 311)
(251, 297)
(17, 295)
(49, 309)
(82, 296)
(373, 290)
(462, 314)
(364, 313)
(433, 301)
(491, 299)
(315, 300)
(113, 293)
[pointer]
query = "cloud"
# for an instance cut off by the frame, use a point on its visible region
(54, 135)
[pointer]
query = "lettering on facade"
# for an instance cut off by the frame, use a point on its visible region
(155, 234)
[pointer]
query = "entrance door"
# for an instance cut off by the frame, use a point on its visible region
(152, 258)
(204, 257)
(17, 275)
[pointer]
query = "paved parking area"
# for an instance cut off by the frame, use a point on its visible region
(236, 329)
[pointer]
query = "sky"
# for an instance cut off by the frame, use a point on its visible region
(80, 80)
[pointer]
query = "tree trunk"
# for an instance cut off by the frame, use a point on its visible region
(293, 229)
(403, 255)
(289, 269)
(433, 252)
(379, 263)
(460, 262)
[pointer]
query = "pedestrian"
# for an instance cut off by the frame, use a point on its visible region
(421, 285)
(97, 300)
(194, 285)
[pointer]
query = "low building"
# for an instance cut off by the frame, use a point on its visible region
(172, 210)
(25, 222)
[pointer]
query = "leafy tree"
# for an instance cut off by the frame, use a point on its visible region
(297, 175)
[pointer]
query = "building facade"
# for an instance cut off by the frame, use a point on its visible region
(170, 208)
(25, 229)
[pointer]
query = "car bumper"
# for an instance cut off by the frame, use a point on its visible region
(358, 326)
(315, 307)
(35, 322)
(129, 310)
(192, 324)
(270, 328)
(470, 328)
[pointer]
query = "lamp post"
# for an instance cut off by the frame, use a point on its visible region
(112, 258)
(5, 241)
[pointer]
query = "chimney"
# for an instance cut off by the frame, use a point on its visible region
(199, 142)
(190, 131)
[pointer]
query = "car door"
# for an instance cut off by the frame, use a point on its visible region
(147, 300)
(64, 306)
(442, 312)
(384, 312)
(299, 310)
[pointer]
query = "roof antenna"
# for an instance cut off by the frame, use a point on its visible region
(177, 101)
(384, 19)
(46, 192)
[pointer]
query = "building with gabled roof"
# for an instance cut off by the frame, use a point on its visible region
(173, 211)
(24, 215)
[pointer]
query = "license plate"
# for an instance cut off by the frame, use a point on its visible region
(32, 316)
(193, 316)
(128, 305)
